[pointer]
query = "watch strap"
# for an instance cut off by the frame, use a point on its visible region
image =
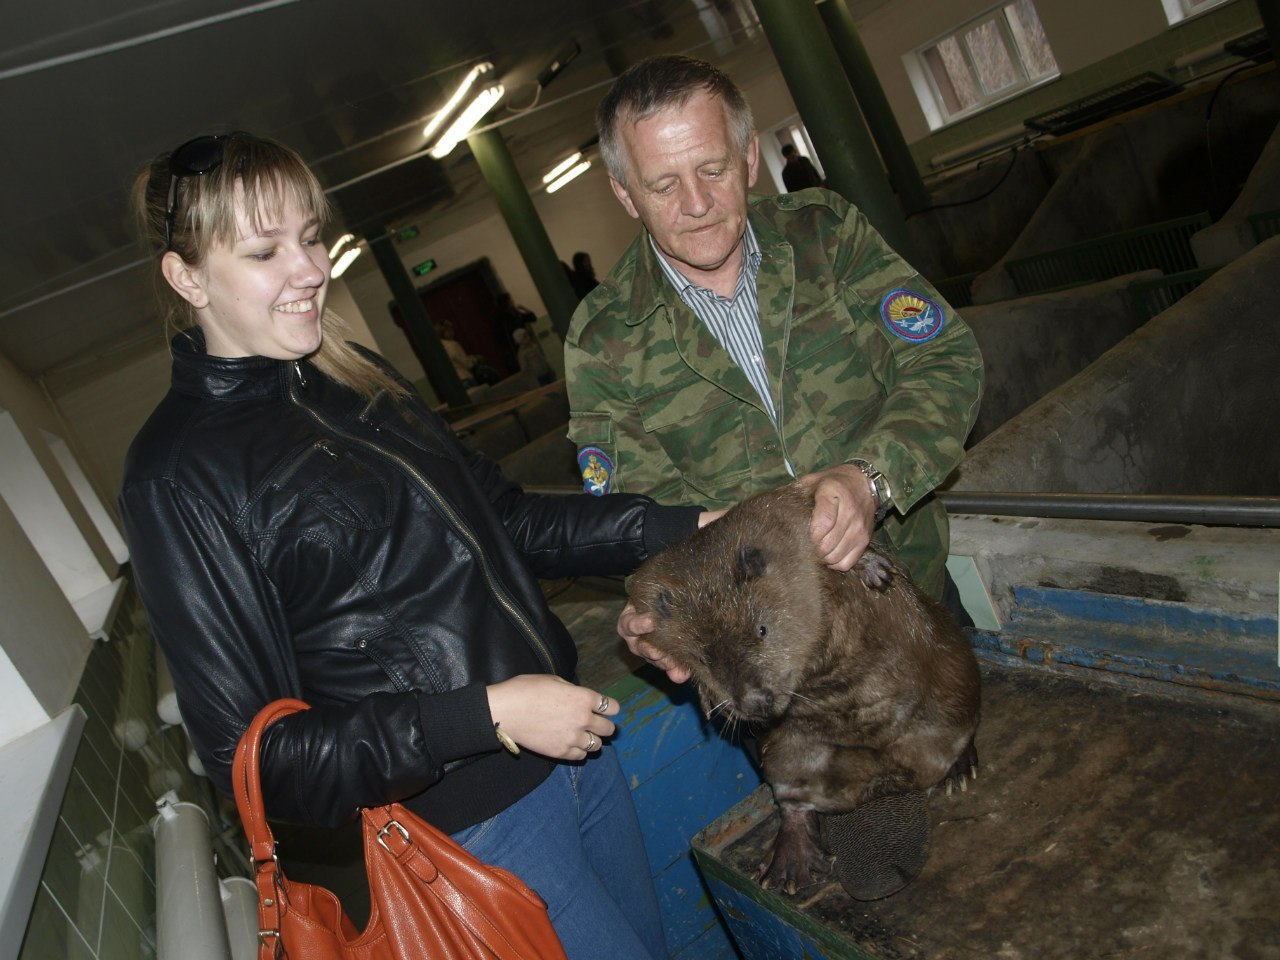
(881, 492)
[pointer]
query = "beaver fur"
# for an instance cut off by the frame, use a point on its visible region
(858, 685)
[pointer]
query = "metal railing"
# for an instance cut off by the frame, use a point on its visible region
(1215, 511)
(1265, 224)
(1164, 246)
(1150, 297)
(957, 290)
(1140, 508)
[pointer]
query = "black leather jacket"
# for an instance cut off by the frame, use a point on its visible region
(290, 538)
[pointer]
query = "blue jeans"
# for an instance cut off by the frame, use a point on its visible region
(576, 841)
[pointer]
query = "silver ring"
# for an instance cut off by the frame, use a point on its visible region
(592, 742)
(604, 704)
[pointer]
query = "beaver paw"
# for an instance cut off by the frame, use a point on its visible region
(962, 771)
(797, 858)
(876, 571)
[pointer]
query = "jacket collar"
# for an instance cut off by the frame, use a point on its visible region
(196, 373)
(650, 288)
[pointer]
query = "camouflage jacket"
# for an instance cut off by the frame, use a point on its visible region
(864, 358)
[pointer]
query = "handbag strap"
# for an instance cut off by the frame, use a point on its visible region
(246, 780)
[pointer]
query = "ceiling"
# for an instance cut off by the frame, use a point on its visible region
(90, 91)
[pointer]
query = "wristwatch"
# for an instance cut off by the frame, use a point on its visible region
(880, 491)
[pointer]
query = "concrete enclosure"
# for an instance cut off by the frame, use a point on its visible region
(1184, 405)
(1034, 344)
(1186, 155)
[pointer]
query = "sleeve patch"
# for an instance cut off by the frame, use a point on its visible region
(910, 316)
(597, 471)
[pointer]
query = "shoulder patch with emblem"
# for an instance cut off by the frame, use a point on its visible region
(911, 316)
(597, 471)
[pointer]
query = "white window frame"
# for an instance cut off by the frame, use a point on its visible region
(1176, 11)
(932, 101)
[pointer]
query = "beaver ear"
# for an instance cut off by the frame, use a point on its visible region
(748, 563)
(664, 604)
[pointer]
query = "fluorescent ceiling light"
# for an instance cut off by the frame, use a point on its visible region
(469, 117)
(342, 241)
(458, 95)
(562, 166)
(348, 257)
(571, 174)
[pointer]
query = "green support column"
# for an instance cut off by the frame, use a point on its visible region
(422, 333)
(530, 235)
(820, 89)
(1269, 11)
(903, 173)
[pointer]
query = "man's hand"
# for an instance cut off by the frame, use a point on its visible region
(843, 514)
(632, 627)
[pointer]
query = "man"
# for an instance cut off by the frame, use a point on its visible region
(799, 171)
(738, 344)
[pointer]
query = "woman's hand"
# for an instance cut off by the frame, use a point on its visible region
(552, 716)
(632, 628)
(709, 516)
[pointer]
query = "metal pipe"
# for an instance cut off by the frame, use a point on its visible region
(514, 203)
(240, 907)
(190, 923)
(417, 322)
(1141, 508)
(821, 91)
(903, 173)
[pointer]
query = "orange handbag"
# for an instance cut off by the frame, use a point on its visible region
(431, 900)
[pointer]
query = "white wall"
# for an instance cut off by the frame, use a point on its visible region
(106, 413)
(44, 645)
(1080, 32)
(49, 526)
(35, 416)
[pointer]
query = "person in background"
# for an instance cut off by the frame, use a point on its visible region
(531, 358)
(740, 343)
(457, 354)
(799, 171)
(511, 318)
(583, 274)
(302, 525)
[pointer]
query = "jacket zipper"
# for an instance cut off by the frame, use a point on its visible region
(455, 521)
(321, 446)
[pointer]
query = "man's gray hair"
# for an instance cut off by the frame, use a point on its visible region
(655, 84)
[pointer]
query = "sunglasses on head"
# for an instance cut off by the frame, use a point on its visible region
(194, 158)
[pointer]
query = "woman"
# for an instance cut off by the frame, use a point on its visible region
(301, 525)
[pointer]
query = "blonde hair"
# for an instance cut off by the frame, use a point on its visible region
(269, 177)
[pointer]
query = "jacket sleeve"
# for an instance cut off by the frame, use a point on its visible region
(933, 386)
(564, 535)
(219, 621)
(603, 415)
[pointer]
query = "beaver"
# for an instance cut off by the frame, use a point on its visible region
(858, 685)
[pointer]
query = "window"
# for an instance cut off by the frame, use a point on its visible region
(1176, 11)
(989, 59)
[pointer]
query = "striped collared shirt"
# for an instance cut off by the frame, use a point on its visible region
(735, 323)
